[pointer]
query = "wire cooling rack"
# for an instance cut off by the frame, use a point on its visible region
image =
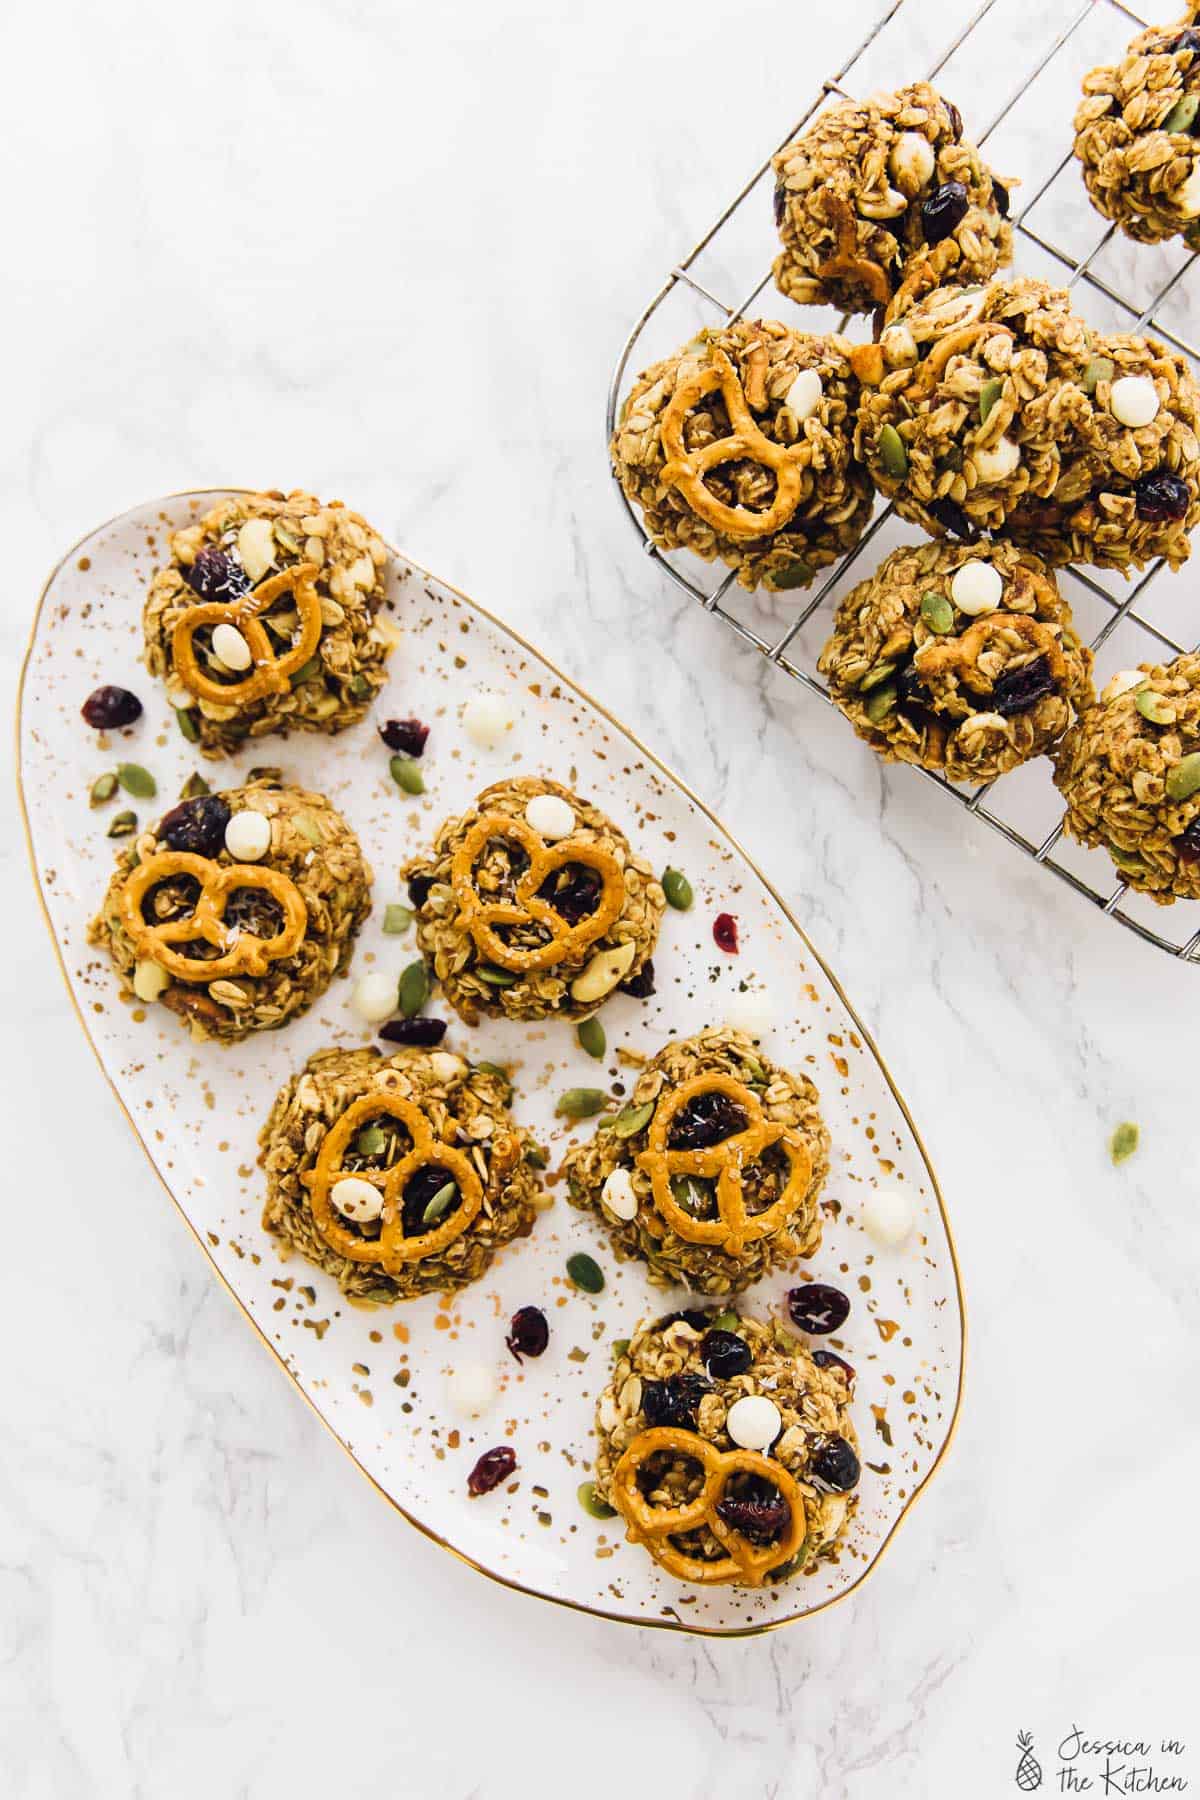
(1130, 623)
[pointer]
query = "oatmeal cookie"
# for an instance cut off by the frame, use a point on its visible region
(710, 1174)
(264, 620)
(398, 1175)
(741, 1425)
(998, 410)
(1135, 136)
(532, 906)
(875, 187)
(738, 448)
(962, 660)
(1130, 774)
(237, 909)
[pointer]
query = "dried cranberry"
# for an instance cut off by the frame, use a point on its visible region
(817, 1308)
(780, 202)
(1019, 689)
(725, 933)
(217, 575)
(197, 826)
(406, 736)
(528, 1332)
(1187, 40)
(419, 1191)
(111, 707)
(1000, 196)
(707, 1119)
(911, 690)
(424, 1032)
(950, 515)
(956, 118)
(1161, 497)
(641, 985)
(674, 1400)
(834, 1466)
(1187, 844)
(760, 1520)
(418, 890)
(825, 1359)
(724, 1354)
(493, 1467)
(688, 1315)
(573, 892)
(944, 210)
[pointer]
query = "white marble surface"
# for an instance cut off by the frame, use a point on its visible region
(390, 251)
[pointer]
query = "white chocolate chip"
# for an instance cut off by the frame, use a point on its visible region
(750, 1011)
(231, 647)
(887, 1216)
(911, 162)
(1187, 195)
(150, 980)
(804, 396)
(375, 997)
(607, 969)
(550, 816)
(1133, 401)
(357, 1199)
(753, 1422)
(618, 1196)
(486, 718)
(446, 1067)
(248, 836)
(1122, 682)
(256, 548)
(998, 462)
(471, 1389)
(976, 588)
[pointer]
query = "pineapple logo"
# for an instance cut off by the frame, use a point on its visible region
(1029, 1770)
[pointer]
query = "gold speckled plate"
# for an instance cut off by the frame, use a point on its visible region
(378, 1379)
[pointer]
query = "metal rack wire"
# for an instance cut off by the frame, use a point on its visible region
(1092, 878)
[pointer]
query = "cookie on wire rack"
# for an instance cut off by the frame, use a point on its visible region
(1136, 135)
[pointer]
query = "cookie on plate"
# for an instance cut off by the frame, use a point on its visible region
(1135, 136)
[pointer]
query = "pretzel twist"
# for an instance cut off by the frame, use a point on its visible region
(734, 1227)
(745, 1563)
(243, 952)
(271, 674)
(959, 656)
(480, 917)
(392, 1249)
(685, 469)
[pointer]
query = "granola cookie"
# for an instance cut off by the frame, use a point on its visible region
(1135, 136)
(738, 448)
(743, 1426)
(398, 1175)
(710, 1174)
(875, 187)
(532, 906)
(237, 909)
(998, 410)
(264, 620)
(1130, 774)
(961, 660)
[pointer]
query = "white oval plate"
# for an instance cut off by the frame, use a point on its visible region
(378, 1379)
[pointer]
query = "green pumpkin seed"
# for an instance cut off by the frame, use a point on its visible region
(678, 889)
(874, 676)
(1182, 115)
(186, 721)
(631, 1119)
(585, 1272)
(308, 828)
(370, 1141)
(407, 775)
(137, 781)
(396, 919)
(581, 1103)
(989, 393)
(792, 575)
(1183, 779)
(1123, 1142)
(307, 671)
(691, 1193)
(892, 454)
(1154, 706)
(194, 787)
(590, 1033)
(103, 788)
(440, 1203)
(1099, 368)
(536, 1157)
(497, 978)
(124, 825)
(360, 687)
(753, 1070)
(937, 612)
(620, 1346)
(491, 1068)
(591, 1502)
(726, 1321)
(881, 703)
(413, 990)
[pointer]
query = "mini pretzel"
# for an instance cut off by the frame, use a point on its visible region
(959, 655)
(685, 469)
(244, 954)
(734, 1227)
(271, 674)
(391, 1248)
(746, 1563)
(527, 907)
(846, 259)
